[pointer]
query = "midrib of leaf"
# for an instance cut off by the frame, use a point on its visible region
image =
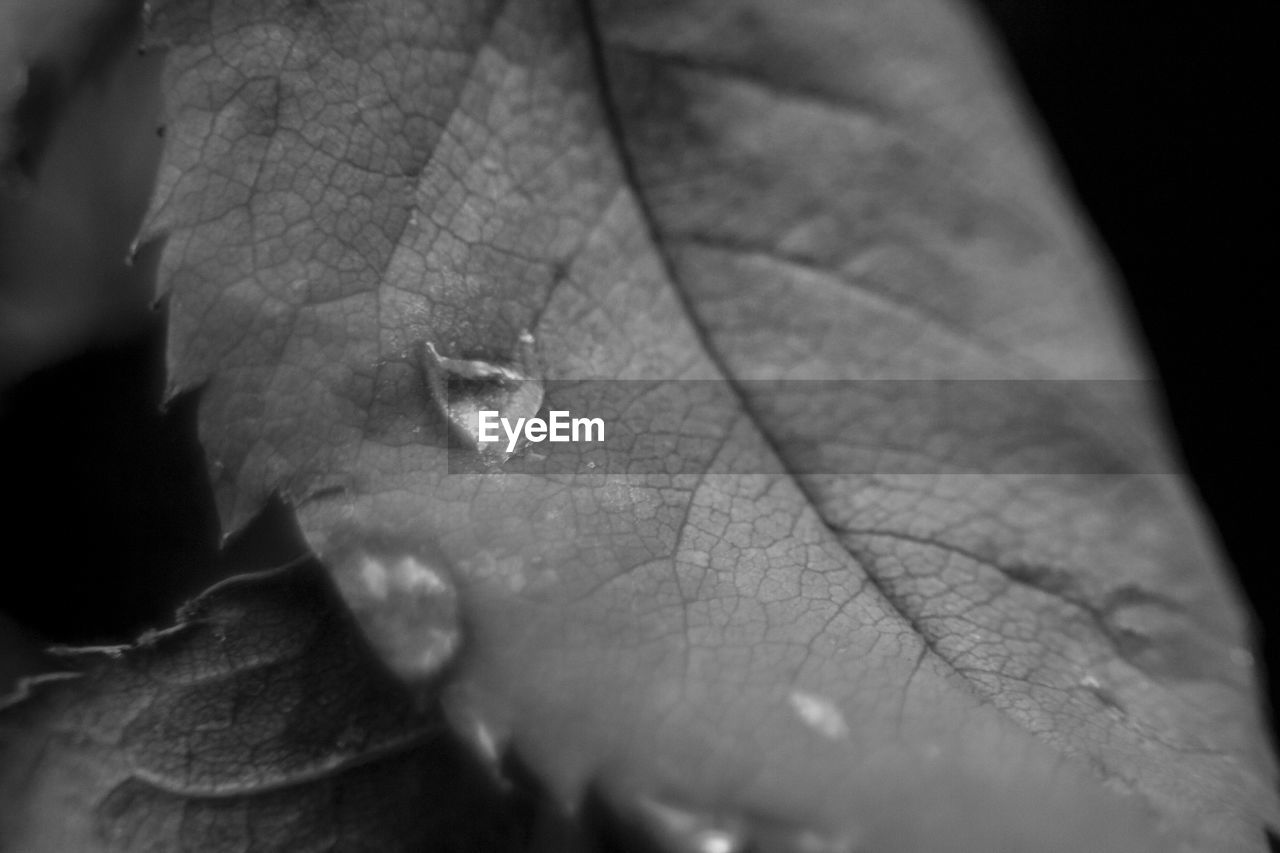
(617, 135)
(1004, 357)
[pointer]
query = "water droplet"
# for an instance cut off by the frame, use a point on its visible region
(485, 739)
(1241, 657)
(462, 388)
(819, 713)
(687, 831)
(404, 601)
(1095, 685)
(718, 841)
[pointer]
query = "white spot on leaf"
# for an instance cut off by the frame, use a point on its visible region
(407, 607)
(482, 735)
(687, 831)
(819, 713)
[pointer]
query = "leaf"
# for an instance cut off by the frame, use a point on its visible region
(259, 722)
(807, 598)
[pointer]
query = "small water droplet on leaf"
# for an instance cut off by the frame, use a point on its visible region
(485, 738)
(685, 831)
(819, 713)
(463, 387)
(404, 601)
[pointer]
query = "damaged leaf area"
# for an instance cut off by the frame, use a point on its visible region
(850, 614)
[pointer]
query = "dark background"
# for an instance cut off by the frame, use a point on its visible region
(1155, 109)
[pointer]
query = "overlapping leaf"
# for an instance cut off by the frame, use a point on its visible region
(260, 722)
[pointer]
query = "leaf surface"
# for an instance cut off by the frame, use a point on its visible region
(889, 554)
